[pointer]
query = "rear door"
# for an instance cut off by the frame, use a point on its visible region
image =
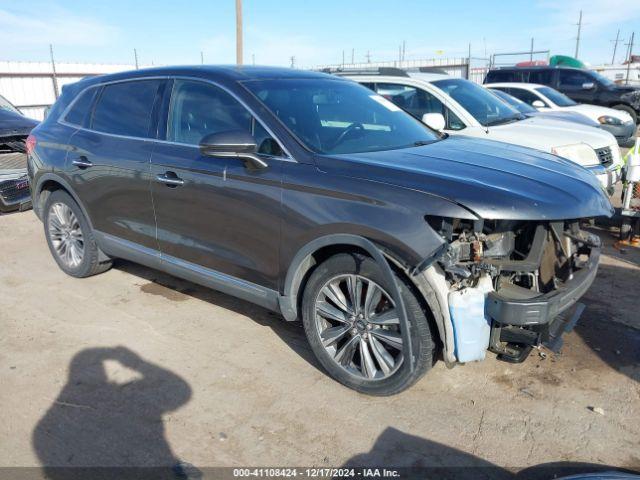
(213, 212)
(110, 158)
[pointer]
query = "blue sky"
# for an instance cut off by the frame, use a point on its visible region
(315, 32)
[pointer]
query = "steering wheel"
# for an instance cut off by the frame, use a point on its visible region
(354, 127)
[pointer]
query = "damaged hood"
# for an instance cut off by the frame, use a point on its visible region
(495, 180)
(12, 124)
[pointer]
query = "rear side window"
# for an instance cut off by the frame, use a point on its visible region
(125, 108)
(495, 76)
(79, 111)
(543, 77)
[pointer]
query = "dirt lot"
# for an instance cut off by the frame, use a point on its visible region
(136, 367)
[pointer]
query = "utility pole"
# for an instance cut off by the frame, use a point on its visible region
(56, 91)
(342, 58)
(531, 55)
(404, 50)
(578, 37)
(615, 47)
(253, 58)
(469, 63)
(293, 61)
(353, 56)
(239, 32)
(629, 56)
(201, 57)
(135, 57)
(368, 56)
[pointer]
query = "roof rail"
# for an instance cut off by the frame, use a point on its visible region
(389, 71)
(439, 70)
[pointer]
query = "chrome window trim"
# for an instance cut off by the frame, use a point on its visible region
(61, 119)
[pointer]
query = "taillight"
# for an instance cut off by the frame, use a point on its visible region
(31, 144)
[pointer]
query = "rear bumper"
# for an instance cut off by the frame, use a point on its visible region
(543, 309)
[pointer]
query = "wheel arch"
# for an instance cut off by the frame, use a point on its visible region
(50, 182)
(314, 252)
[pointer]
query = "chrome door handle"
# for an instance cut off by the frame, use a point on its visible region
(171, 181)
(82, 162)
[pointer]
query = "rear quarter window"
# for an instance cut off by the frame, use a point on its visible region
(125, 108)
(79, 111)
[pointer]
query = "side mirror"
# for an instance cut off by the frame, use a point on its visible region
(233, 144)
(538, 104)
(434, 120)
(588, 85)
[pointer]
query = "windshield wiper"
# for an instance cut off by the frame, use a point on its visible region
(502, 121)
(420, 143)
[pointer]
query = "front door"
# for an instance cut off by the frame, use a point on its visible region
(573, 82)
(213, 212)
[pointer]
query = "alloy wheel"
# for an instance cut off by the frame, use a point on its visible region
(359, 326)
(66, 235)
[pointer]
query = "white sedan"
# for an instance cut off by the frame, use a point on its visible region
(460, 107)
(617, 122)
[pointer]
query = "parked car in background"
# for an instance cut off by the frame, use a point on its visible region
(14, 185)
(582, 86)
(529, 111)
(460, 107)
(312, 196)
(545, 99)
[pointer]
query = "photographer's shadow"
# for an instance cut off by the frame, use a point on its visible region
(109, 416)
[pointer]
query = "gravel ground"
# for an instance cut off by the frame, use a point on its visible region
(134, 367)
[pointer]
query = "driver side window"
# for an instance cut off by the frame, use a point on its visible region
(198, 109)
(418, 102)
(573, 79)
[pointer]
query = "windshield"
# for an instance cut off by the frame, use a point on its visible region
(556, 97)
(602, 79)
(513, 101)
(484, 106)
(5, 105)
(336, 116)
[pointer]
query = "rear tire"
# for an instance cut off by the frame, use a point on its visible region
(374, 363)
(70, 237)
(629, 110)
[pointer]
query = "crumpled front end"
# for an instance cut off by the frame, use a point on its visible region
(633, 98)
(509, 286)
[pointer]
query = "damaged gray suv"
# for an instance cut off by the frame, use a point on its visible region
(316, 198)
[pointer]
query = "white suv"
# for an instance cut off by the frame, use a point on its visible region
(460, 107)
(617, 122)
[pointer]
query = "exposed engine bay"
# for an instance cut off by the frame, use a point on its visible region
(523, 268)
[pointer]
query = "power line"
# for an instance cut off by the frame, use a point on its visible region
(578, 37)
(615, 47)
(239, 32)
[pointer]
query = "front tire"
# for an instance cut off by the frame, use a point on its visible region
(354, 330)
(70, 237)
